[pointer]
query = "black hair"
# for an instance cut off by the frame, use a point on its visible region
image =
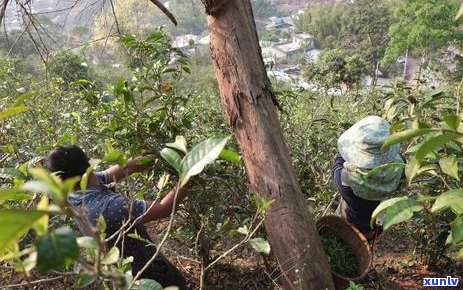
(67, 161)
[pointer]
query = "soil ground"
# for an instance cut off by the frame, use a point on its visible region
(394, 267)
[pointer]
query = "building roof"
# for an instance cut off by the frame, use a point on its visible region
(303, 36)
(288, 47)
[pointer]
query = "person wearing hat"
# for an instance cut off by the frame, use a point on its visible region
(362, 188)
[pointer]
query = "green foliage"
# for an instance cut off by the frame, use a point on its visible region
(432, 130)
(15, 223)
(396, 210)
(195, 160)
(56, 249)
(422, 26)
(341, 258)
(364, 27)
(264, 9)
(201, 155)
(69, 66)
(322, 21)
(147, 284)
(354, 286)
(336, 68)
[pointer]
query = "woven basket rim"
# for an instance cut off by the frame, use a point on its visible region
(328, 221)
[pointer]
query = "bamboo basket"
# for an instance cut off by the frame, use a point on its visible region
(352, 238)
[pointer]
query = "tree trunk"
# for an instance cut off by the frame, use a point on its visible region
(249, 106)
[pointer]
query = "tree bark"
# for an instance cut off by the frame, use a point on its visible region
(249, 106)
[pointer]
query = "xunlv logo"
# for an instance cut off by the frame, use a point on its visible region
(449, 281)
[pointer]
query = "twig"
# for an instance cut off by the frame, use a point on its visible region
(246, 239)
(34, 282)
(165, 11)
(329, 205)
(180, 264)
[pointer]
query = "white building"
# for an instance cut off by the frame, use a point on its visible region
(305, 40)
(183, 41)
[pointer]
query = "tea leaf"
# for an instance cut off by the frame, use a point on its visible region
(452, 198)
(260, 245)
(56, 249)
(200, 156)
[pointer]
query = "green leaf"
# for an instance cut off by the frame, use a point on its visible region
(84, 180)
(406, 135)
(413, 169)
(384, 167)
(20, 99)
(12, 111)
(457, 229)
(111, 257)
(52, 182)
(84, 280)
(12, 173)
(243, 230)
(396, 210)
(453, 121)
(41, 225)
(87, 242)
(452, 198)
(460, 12)
(200, 156)
(231, 156)
(13, 194)
(449, 166)
(173, 158)
(114, 156)
(179, 144)
(14, 223)
(260, 245)
(56, 249)
(147, 284)
(434, 143)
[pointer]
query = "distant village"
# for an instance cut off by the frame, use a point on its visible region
(283, 48)
(282, 55)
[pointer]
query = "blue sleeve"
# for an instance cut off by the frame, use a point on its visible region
(336, 172)
(102, 177)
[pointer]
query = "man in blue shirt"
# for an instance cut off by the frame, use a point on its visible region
(100, 199)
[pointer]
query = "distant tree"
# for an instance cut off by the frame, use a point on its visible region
(79, 33)
(337, 68)
(16, 43)
(421, 27)
(323, 22)
(264, 9)
(69, 66)
(364, 30)
(190, 16)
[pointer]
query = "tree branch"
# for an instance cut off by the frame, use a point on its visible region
(3, 10)
(165, 11)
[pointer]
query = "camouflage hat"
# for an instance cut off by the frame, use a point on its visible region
(360, 145)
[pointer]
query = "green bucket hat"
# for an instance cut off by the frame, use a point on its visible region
(360, 145)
